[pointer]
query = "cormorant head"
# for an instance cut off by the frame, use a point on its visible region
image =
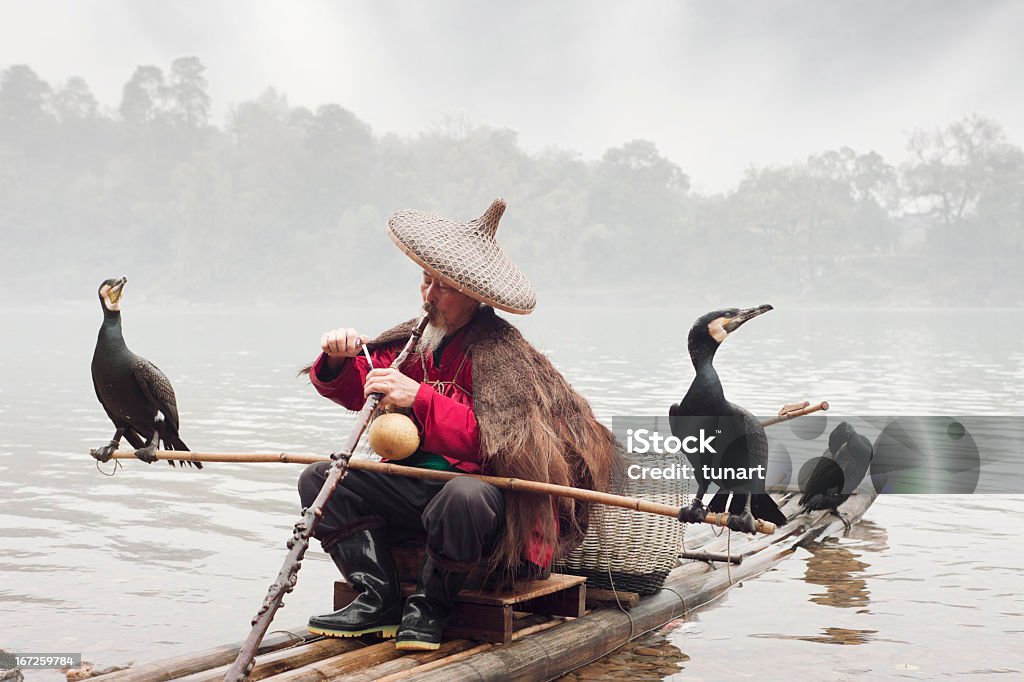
(110, 293)
(711, 329)
(839, 436)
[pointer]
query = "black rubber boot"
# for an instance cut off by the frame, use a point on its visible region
(365, 561)
(428, 609)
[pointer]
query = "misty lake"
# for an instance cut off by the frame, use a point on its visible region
(156, 561)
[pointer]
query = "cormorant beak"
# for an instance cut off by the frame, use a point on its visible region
(115, 291)
(744, 315)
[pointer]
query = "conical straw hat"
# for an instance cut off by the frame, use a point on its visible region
(465, 256)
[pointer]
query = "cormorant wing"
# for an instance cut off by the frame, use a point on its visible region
(826, 478)
(855, 460)
(157, 389)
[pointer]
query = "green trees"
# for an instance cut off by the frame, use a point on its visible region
(189, 105)
(965, 185)
(818, 218)
(284, 203)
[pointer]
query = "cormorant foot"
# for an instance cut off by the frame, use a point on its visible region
(695, 513)
(843, 518)
(147, 454)
(105, 453)
(744, 523)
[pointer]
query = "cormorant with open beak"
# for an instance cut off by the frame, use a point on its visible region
(742, 440)
(136, 395)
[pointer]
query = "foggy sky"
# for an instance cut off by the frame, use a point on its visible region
(717, 86)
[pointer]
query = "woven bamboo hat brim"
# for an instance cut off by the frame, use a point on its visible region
(465, 256)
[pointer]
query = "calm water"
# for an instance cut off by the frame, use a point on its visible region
(156, 561)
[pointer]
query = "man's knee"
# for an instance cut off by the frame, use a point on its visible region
(465, 494)
(466, 500)
(311, 480)
(463, 520)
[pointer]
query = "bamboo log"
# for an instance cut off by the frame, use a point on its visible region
(712, 556)
(516, 484)
(399, 669)
(367, 658)
(597, 597)
(411, 661)
(282, 661)
(187, 664)
(425, 667)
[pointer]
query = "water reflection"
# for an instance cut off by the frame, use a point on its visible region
(840, 636)
(648, 657)
(838, 569)
(833, 568)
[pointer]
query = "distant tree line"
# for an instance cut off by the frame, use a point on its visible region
(282, 203)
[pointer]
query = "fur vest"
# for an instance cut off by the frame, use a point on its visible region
(535, 426)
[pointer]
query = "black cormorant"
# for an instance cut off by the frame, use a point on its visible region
(741, 438)
(136, 395)
(834, 476)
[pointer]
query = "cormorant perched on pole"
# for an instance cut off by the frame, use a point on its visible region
(136, 395)
(742, 440)
(836, 474)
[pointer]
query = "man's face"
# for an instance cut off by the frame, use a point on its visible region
(446, 308)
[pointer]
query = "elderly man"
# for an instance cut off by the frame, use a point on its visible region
(483, 399)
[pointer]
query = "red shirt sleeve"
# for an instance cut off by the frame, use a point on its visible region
(447, 427)
(346, 388)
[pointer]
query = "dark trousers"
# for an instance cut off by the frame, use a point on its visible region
(461, 518)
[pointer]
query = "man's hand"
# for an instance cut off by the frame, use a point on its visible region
(342, 343)
(398, 389)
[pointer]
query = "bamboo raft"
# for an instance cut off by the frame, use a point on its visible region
(542, 648)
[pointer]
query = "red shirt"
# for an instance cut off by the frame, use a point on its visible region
(443, 407)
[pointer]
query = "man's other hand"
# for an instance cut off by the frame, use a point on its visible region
(398, 389)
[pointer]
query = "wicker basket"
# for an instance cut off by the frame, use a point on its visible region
(627, 550)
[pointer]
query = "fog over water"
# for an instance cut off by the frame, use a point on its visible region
(716, 86)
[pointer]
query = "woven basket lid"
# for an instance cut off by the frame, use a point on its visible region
(465, 256)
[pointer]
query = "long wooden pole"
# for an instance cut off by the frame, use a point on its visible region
(517, 484)
(299, 542)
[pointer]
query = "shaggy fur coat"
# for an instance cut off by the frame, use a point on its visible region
(533, 425)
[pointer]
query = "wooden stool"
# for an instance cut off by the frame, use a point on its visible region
(487, 615)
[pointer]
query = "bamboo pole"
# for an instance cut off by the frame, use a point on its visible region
(287, 577)
(516, 484)
(798, 412)
(288, 458)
